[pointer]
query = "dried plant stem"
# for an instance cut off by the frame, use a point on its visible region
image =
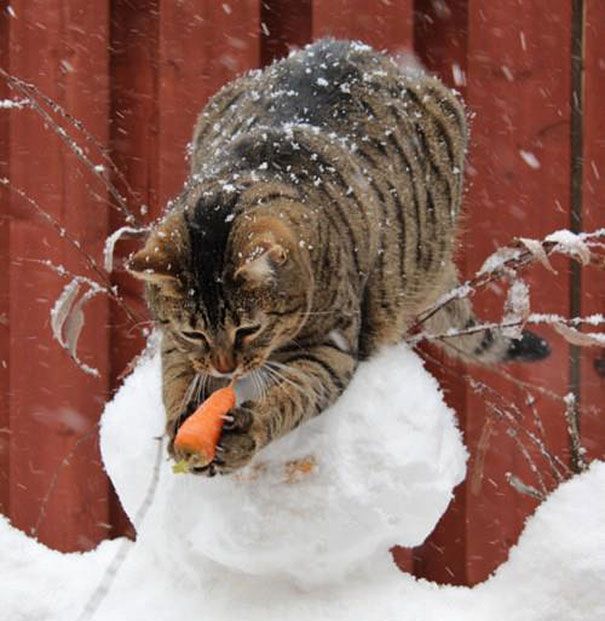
(33, 94)
(557, 466)
(530, 462)
(105, 283)
(508, 412)
(522, 257)
(109, 575)
(572, 416)
(533, 319)
(527, 490)
(55, 477)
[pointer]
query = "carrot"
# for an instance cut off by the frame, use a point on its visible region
(199, 434)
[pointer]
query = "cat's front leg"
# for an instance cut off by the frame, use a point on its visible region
(302, 383)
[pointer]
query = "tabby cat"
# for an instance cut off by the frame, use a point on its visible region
(319, 219)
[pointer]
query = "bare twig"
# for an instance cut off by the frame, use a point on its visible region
(523, 488)
(34, 96)
(572, 416)
(518, 255)
(105, 283)
(109, 575)
(55, 477)
(532, 319)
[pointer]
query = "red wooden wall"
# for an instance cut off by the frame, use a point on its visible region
(137, 72)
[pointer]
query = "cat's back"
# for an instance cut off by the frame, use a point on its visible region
(341, 87)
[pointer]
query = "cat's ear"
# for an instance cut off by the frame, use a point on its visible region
(159, 261)
(261, 264)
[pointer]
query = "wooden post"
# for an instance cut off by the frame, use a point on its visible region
(519, 89)
(202, 46)
(440, 41)
(61, 46)
(592, 386)
(4, 276)
(516, 81)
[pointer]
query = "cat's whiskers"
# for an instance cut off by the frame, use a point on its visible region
(203, 389)
(259, 383)
(276, 373)
(301, 375)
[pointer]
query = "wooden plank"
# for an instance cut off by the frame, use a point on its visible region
(383, 25)
(134, 149)
(518, 85)
(4, 279)
(440, 41)
(592, 387)
(62, 47)
(202, 46)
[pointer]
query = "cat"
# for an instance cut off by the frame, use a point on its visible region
(318, 221)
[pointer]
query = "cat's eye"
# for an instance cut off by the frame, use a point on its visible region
(197, 337)
(244, 331)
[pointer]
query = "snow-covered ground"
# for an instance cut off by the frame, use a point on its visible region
(304, 532)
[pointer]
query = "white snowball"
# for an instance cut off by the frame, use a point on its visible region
(376, 469)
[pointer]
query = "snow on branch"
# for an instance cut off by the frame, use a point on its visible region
(563, 326)
(14, 104)
(507, 261)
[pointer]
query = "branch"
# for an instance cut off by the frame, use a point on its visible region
(104, 585)
(572, 416)
(527, 490)
(34, 96)
(534, 319)
(522, 252)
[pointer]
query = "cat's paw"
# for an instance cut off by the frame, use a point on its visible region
(239, 441)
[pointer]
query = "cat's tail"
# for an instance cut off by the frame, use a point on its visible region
(483, 346)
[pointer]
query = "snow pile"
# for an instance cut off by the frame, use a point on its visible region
(376, 469)
(38, 584)
(363, 487)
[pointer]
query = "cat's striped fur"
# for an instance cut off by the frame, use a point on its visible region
(318, 221)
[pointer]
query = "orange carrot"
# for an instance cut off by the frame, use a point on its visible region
(199, 434)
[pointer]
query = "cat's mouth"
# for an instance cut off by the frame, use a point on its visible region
(230, 375)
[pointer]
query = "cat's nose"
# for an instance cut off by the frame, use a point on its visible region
(223, 362)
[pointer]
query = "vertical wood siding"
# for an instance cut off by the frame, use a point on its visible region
(137, 72)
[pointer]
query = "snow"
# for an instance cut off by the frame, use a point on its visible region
(14, 104)
(498, 259)
(529, 158)
(569, 243)
(295, 544)
(295, 510)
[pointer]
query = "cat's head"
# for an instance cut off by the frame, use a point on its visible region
(231, 285)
